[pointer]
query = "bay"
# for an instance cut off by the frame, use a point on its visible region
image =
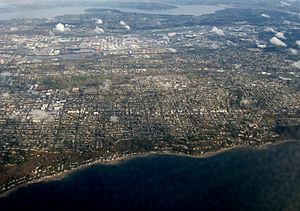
(75, 10)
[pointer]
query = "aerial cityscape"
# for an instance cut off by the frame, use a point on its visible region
(108, 84)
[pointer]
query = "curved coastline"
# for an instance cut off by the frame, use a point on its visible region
(79, 10)
(120, 160)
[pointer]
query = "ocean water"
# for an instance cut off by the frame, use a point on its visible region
(241, 179)
(57, 11)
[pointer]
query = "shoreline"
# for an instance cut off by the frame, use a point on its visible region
(18, 14)
(117, 161)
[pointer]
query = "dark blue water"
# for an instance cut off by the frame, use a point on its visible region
(242, 179)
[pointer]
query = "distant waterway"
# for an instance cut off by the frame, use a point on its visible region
(266, 178)
(53, 12)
